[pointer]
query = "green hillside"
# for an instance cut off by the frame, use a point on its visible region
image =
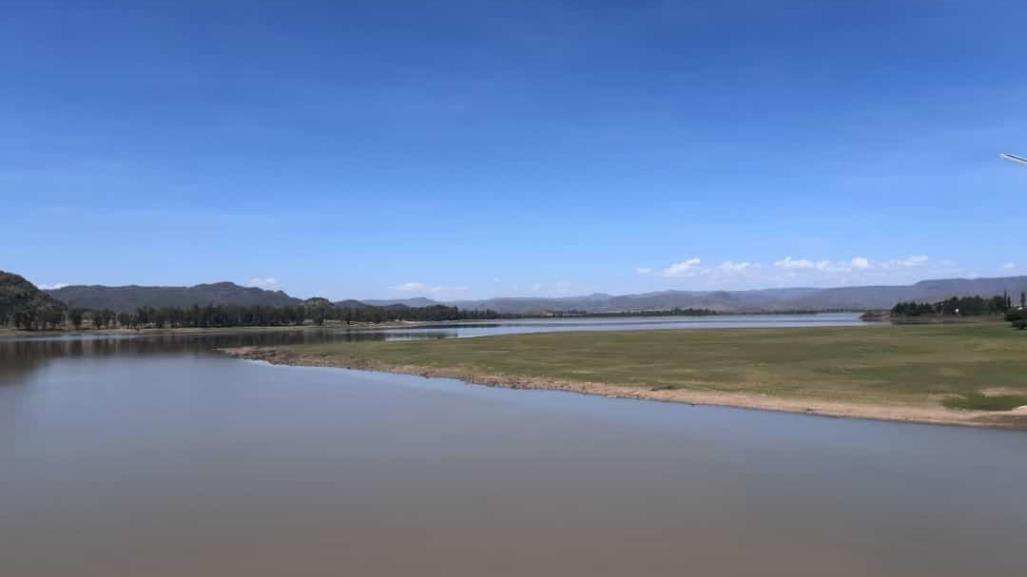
(24, 306)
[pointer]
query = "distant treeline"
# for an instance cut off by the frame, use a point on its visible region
(675, 312)
(314, 311)
(974, 306)
(968, 307)
(34, 318)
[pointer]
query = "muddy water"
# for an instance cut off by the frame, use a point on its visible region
(157, 457)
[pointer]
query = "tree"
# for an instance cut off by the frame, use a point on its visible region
(76, 316)
(318, 309)
(53, 318)
(125, 320)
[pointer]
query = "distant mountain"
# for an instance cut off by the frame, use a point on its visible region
(885, 297)
(724, 301)
(19, 297)
(350, 304)
(129, 298)
(765, 300)
(414, 302)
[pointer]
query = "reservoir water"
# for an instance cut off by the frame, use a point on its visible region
(157, 456)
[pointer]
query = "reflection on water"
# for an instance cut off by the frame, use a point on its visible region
(152, 456)
(509, 327)
(24, 352)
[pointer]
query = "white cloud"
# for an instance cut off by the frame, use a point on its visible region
(693, 268)
(264, 282)
(919, 260)
(683, 268)
(409, 287)
(732, 266)
(856, 263)
(908, 262)
(791, 271)
(1009, 266)
(792, 263)
(55, 286)
(421, 288)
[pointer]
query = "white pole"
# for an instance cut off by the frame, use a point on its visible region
(1014, 158)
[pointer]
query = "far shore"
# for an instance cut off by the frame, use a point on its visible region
(5, 331)
(887, 373)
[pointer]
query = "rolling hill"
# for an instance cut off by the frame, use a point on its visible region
(20, 298)
(765, 300)
(128, 298)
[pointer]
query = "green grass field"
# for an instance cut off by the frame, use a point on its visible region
(959, 366)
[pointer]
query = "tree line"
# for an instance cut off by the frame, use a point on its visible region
(974, 306)
(314, 311)
(32, 318)
(674, 312)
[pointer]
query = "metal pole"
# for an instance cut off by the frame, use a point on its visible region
(1014, 158)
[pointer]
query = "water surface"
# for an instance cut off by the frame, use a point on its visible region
(157, 457)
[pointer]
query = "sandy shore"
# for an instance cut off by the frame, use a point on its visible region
(1015, 419)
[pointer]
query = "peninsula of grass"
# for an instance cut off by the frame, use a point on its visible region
(966, 374)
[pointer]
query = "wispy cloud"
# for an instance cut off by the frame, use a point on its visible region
(420, 288)
(1008, 266)
(410, 287)
(683, 268)
(801, 271)
(266, 282)
(693, 267)
(856, 263)
(908, 262)
(736, 267)
(55, 286)
(796, 263)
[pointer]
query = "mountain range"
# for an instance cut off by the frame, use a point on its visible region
(763, 300)
(131, 297)
(126, 298)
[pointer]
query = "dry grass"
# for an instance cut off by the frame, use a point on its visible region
(902, 363)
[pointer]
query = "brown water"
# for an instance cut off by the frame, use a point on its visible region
(157, 457)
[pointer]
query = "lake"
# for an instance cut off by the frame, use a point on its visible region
(157, 456)
(524, 326)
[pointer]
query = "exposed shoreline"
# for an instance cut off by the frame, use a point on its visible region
(1016, 419)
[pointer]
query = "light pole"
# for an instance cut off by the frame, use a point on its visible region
(1014, 158)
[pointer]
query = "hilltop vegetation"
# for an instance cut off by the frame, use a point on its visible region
(315, 311)
(131, 298)
(24, 306)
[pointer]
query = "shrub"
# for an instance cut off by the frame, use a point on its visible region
(979, 402)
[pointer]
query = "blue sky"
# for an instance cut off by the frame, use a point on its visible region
(474, 149)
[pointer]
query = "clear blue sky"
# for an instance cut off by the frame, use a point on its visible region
(472, 149)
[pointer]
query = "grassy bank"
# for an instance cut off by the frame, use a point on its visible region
(970, 374)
